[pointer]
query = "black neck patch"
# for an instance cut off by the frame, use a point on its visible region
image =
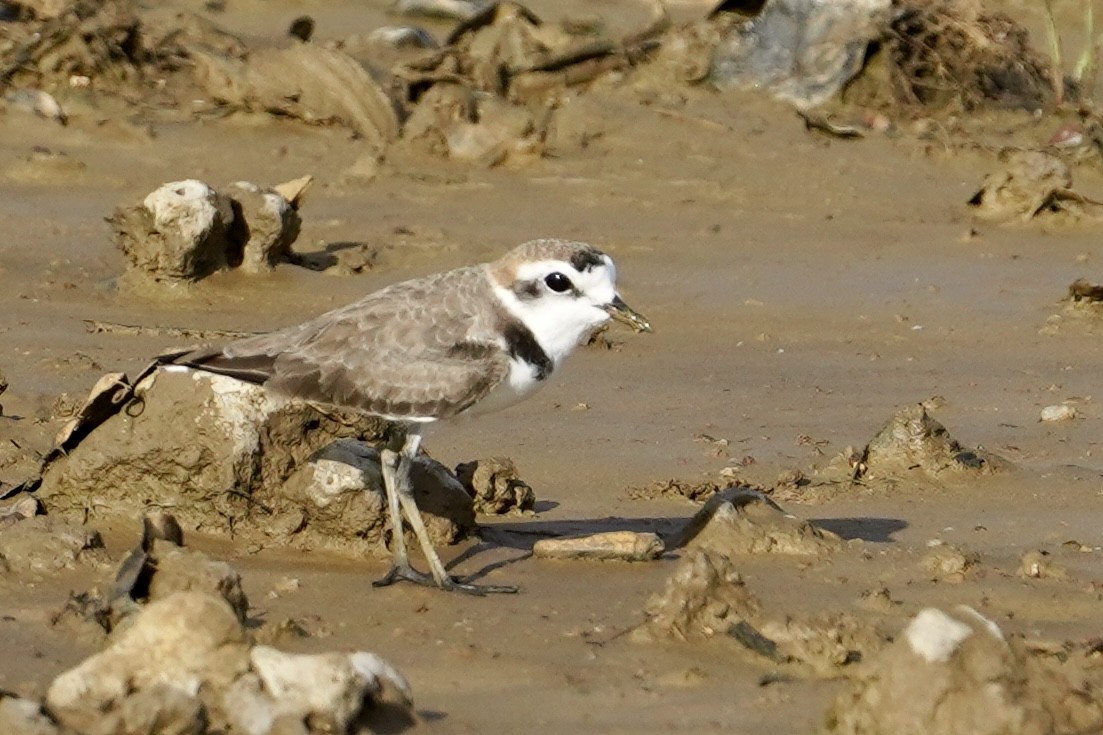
(587, 259)
(522, 345)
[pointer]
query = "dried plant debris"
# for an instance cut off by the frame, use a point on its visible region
(697, 492)
(1031, 184)
(51, 41)
(953, 54)
(506, 50)
(955, 672)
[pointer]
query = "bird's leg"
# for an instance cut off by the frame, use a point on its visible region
(403, 492)
(390, 461)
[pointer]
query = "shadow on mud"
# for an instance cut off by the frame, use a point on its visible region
(876, 530)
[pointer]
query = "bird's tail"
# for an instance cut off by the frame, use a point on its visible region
(255, 368)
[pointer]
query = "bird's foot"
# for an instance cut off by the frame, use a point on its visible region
(399, 573)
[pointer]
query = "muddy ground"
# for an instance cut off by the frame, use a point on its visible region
(803, 288)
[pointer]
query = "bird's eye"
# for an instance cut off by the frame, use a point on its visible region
(558, 282)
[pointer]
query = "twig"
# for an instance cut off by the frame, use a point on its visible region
(139, 330)
(1056, 75)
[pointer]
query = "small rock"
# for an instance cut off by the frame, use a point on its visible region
(20, 508)
(1060, 412)
(621, 545)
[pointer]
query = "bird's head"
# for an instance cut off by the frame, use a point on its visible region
(562, 291)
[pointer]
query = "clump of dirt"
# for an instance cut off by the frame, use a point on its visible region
(744, 521)
(948, 564)
(159, 566)
(226, 456)
(41, 546)
(496, 486)
(706, 597)
(303, 81)
(186, 230)
(673, 488)
(1032, 184)
(957, 672)
(939, 54)
(914, 441)
(1082, 306)
(186, 664)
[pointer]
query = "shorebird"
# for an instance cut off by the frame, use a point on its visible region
(469, 340)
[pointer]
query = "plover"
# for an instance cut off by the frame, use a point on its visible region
(472, 339)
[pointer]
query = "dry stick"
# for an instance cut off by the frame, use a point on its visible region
(1085, 67)
(1056, 76)
(136, 330)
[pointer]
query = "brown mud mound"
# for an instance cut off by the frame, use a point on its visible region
(496, 486)
(228, 457)
(952, 674)
(707, 598)
(41, 546)
(912, 441)
(1030, 185)
(186, 665)
(744, 521)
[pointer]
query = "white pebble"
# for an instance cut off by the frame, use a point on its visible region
(1060, 412)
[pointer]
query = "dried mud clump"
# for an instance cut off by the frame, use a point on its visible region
(673, 488)
(1082, 306)
(942, 53)
(41, 546)
(496, 486)
(706, 598)
(744, 521)
(303, 81)
(186, 230)
(947, 564)
(913, 441)
(226, 456)
(1029, 185)
(952, 673)
(186, 665)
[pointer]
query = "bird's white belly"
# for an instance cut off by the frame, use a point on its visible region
(519, 384)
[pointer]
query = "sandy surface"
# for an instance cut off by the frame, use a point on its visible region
(799, 287)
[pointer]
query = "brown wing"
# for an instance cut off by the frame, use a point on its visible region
(419, 349)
